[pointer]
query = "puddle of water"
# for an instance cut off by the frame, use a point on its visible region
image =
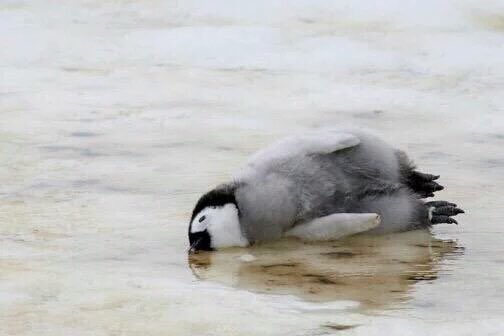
(376, 272)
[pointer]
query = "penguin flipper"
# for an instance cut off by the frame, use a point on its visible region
(329, 143)
(334, 226)
(297, 146)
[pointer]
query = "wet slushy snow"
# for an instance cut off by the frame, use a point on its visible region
(116, 115)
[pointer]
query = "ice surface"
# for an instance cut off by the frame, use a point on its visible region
(116, 115)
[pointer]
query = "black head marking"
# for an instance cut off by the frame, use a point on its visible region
(219, 196)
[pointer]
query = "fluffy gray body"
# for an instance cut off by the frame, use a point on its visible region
(284, 186)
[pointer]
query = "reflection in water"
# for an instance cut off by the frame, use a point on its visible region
(373, 270)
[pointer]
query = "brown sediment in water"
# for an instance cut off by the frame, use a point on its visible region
(339, 327)
(493, 22)
(376, 271)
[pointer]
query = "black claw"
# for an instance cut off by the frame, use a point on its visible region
(425, 194)
(447, 211)
(439, 219)
(424, 177)
(457, 211)
(443, 219)
(437, 204)
(433, 186)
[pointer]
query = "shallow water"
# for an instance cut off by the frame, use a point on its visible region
(116, 116)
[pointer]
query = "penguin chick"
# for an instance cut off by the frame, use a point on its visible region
(320, 186)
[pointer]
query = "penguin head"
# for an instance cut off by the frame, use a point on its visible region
(215, 221)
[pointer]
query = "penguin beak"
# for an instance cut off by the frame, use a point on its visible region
(200, 241)
(194, 246)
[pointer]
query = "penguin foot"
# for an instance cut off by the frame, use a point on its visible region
(441, 212)
(423, 184)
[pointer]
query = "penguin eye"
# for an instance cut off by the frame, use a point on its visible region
(202, 218)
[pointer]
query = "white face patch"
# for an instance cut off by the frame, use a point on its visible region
(222, 224)
(199, 222)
